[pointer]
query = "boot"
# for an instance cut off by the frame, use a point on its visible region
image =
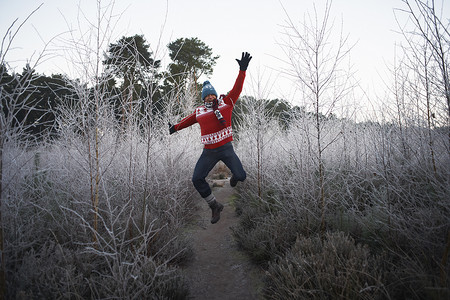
(233, 181)
(216, 208)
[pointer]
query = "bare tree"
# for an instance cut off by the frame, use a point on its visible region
(427, 51)
(12, 128)
(68, 203)
(317, 67)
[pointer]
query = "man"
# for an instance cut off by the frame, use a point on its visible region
(214, 118)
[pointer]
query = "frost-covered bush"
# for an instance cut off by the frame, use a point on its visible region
(264, 236)
(268, 226)
(145, 198)
(55, 271)
(330, 268)
(379, 186)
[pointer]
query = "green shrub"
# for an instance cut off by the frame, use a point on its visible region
(57, 271)
(270, 237)
(409, 277)
(268, 227)
(263, 230)
(332, 268)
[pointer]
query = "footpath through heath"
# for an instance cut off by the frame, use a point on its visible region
(219, 270)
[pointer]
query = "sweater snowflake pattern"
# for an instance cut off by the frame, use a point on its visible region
(213, 134)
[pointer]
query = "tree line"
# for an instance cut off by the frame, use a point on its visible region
(132, 79)
(131, 73)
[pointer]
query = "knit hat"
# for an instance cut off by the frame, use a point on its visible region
(208, 89)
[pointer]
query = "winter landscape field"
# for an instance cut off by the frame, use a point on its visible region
(96, 196)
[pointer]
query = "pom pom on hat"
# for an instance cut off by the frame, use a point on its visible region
(208, 89)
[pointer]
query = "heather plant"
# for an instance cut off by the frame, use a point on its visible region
(96, 210)
(381, 199)
(330, 268)
(138, 240)
(385, 184)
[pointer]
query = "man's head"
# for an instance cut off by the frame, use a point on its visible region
(208, 92)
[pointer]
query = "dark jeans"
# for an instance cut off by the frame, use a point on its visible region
(207, 161)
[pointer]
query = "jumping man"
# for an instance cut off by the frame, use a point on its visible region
(214, 117)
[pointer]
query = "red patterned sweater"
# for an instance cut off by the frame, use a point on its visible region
(213, 133)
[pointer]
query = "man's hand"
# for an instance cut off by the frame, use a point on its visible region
(171, 128)
(243, 62)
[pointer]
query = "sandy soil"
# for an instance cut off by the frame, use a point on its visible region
(219, 270)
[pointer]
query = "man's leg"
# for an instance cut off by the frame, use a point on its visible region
(233, 162)
(204, 165)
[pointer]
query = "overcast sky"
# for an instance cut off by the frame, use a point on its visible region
(227, 26)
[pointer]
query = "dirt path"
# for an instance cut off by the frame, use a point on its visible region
(219, 270)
